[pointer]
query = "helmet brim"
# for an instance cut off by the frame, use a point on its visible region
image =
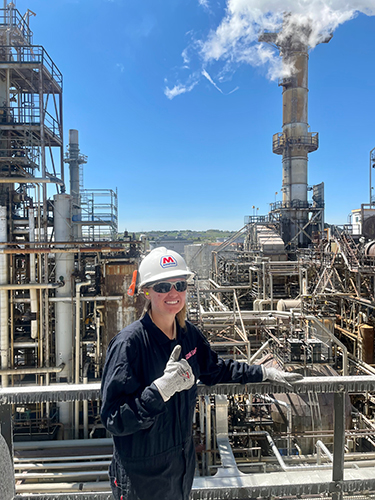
(177, 273)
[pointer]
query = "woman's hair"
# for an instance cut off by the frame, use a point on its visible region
(180, 316)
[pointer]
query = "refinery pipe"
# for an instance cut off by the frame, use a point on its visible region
(77, 351)
(32, 370)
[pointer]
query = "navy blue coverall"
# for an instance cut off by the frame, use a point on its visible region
(154, 456)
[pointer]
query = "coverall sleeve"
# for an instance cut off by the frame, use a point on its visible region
(127, 406)
(215, 370)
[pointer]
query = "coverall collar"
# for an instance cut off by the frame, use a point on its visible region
(158, 334)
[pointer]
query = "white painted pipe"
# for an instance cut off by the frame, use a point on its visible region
(33, 292)
(78, 351)
(102, 486)
(321, 447)
(33, 371)
(4, 298)
(31, 180)
(66, 443)
(64, 311)
(30, 286)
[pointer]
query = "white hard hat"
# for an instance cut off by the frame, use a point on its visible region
(161, 264)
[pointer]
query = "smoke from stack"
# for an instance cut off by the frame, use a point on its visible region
(235, 40)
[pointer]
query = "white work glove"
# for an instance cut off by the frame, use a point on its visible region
(275, 375)
(178, 376)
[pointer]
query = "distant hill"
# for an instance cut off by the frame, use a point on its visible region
(210, 235)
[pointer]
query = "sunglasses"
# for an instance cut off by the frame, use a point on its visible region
(166, 286)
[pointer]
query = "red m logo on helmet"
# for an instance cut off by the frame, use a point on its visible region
(168, 261)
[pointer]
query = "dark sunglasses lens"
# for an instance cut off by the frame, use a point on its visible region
(180, 286)
(166, 286)
(163, 287)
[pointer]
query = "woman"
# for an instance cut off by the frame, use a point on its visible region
(149, 386)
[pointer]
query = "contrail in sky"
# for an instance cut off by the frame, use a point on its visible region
(235, 39)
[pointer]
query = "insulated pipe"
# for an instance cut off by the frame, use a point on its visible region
(66, 443)
(72, 299)
(31, 180)
(34, 371)
(259, 352)
(79, 487)
(30, 286)
(85, 404)
(321, 447)
(4, 298)
(33, 293)
(63, 310)
(78, 351)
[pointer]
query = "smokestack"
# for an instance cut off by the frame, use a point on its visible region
(75, 159)
(295, 141)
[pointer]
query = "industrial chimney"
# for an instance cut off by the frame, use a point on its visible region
(295, 141)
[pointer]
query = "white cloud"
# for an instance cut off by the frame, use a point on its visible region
(179, 89)
(204, 4)
(206, 75)
(120, 67)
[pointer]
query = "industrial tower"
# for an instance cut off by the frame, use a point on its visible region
(296, 215)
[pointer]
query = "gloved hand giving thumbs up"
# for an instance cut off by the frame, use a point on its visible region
(178, 376)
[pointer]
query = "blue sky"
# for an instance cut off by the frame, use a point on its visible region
(204, 158)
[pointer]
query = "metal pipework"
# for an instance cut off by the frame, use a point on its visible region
(32, 371)
(77, 350)
(322, 448)
(31, 180)
(33, 293)
(75, 159)
(63, 310)
(31, 286)
(4, 299)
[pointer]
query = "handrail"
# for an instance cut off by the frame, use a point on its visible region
(91, 391)
(34, 54)
(222, 485)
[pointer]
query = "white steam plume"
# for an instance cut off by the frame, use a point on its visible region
(235, 40)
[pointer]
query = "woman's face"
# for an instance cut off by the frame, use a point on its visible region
(169, 303)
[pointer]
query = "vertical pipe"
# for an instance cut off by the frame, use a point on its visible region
(74, 165)
(33, 292)
(4, 300)
(208, 431)
(62, 174)
(338, 443)
(264, 279)
(78, 351)
(63, 311)
(373, 149)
